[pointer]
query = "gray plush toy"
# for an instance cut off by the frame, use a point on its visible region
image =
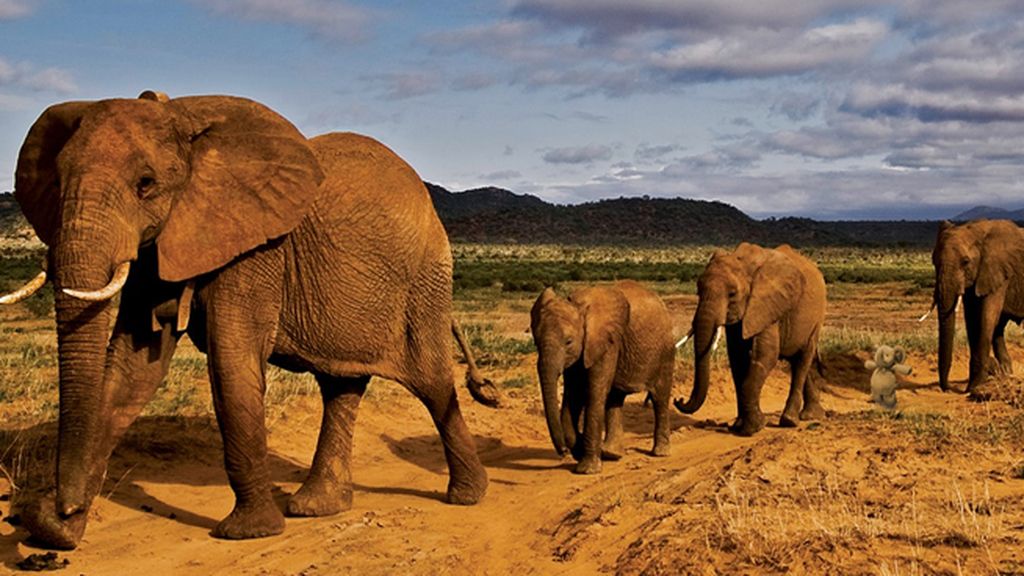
(887, 364)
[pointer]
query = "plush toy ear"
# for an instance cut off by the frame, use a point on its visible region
(605, 314)
(774, 289)
(36, 182)
(253, 179)
(899, 355)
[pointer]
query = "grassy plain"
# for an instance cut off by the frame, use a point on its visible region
(935, 488)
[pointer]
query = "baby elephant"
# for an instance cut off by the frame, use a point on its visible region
(606, 342)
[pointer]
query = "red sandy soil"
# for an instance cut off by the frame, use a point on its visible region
(858, 493)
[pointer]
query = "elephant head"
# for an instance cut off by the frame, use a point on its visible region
(575, 331)
(751, 287)
(978, 258)
(197, 181)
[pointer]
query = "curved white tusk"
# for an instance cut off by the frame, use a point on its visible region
(718, 336)
(108, 291)
(959, 303)
(25, 291)
(927, 314)
(685, 339)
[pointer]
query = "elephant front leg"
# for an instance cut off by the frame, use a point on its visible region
(242, 305)
(238, 387)
(328, 488)
(599, 380)
(573, 400)
(613, 448)
(764, 354)
(982, 314)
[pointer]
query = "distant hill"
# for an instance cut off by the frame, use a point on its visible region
(990, 212)
(497, 215)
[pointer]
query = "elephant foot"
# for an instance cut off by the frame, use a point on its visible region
(613, 451)
(788, 420)
(588, 466)
(319, 498)
(469, 491)
(982, 393)
(815, 412)
(255, 521)
(747, 425)
(661, 449)
(48, 530)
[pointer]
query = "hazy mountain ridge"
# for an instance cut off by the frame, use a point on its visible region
(990, 212)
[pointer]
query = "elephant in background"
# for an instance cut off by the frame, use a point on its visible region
(213, 214)
(981, 262)
(771, 303)
(605, 342)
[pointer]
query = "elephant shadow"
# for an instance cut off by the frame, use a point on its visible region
(427, 453)
(639, 419)
(155, 449)
(845, 370)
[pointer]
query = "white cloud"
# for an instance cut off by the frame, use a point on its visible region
(24, 76)
(333, 20)
(11, 9)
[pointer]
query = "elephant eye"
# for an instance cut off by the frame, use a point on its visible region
(145, 186)
(568, 341)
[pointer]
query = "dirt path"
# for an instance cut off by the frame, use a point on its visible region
(934, 489)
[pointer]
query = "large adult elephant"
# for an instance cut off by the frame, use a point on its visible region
(981, 262)
(771, 303)
(214, 213)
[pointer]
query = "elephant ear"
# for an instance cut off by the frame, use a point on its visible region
(605, 316)
(996, 265)
(774, 289)
(253, 178)
(36, 181)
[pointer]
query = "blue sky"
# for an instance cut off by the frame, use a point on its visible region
(829, 109)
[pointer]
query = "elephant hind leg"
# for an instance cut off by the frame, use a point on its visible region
(328, 488)
(467, 479)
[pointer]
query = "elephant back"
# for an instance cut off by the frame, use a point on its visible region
(373, 197)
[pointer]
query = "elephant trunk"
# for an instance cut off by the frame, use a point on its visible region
(549, 368)
(946, 300)
(82, 338)
(705, 327)
(83, 260)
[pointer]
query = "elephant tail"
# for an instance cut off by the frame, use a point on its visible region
(481, 389)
